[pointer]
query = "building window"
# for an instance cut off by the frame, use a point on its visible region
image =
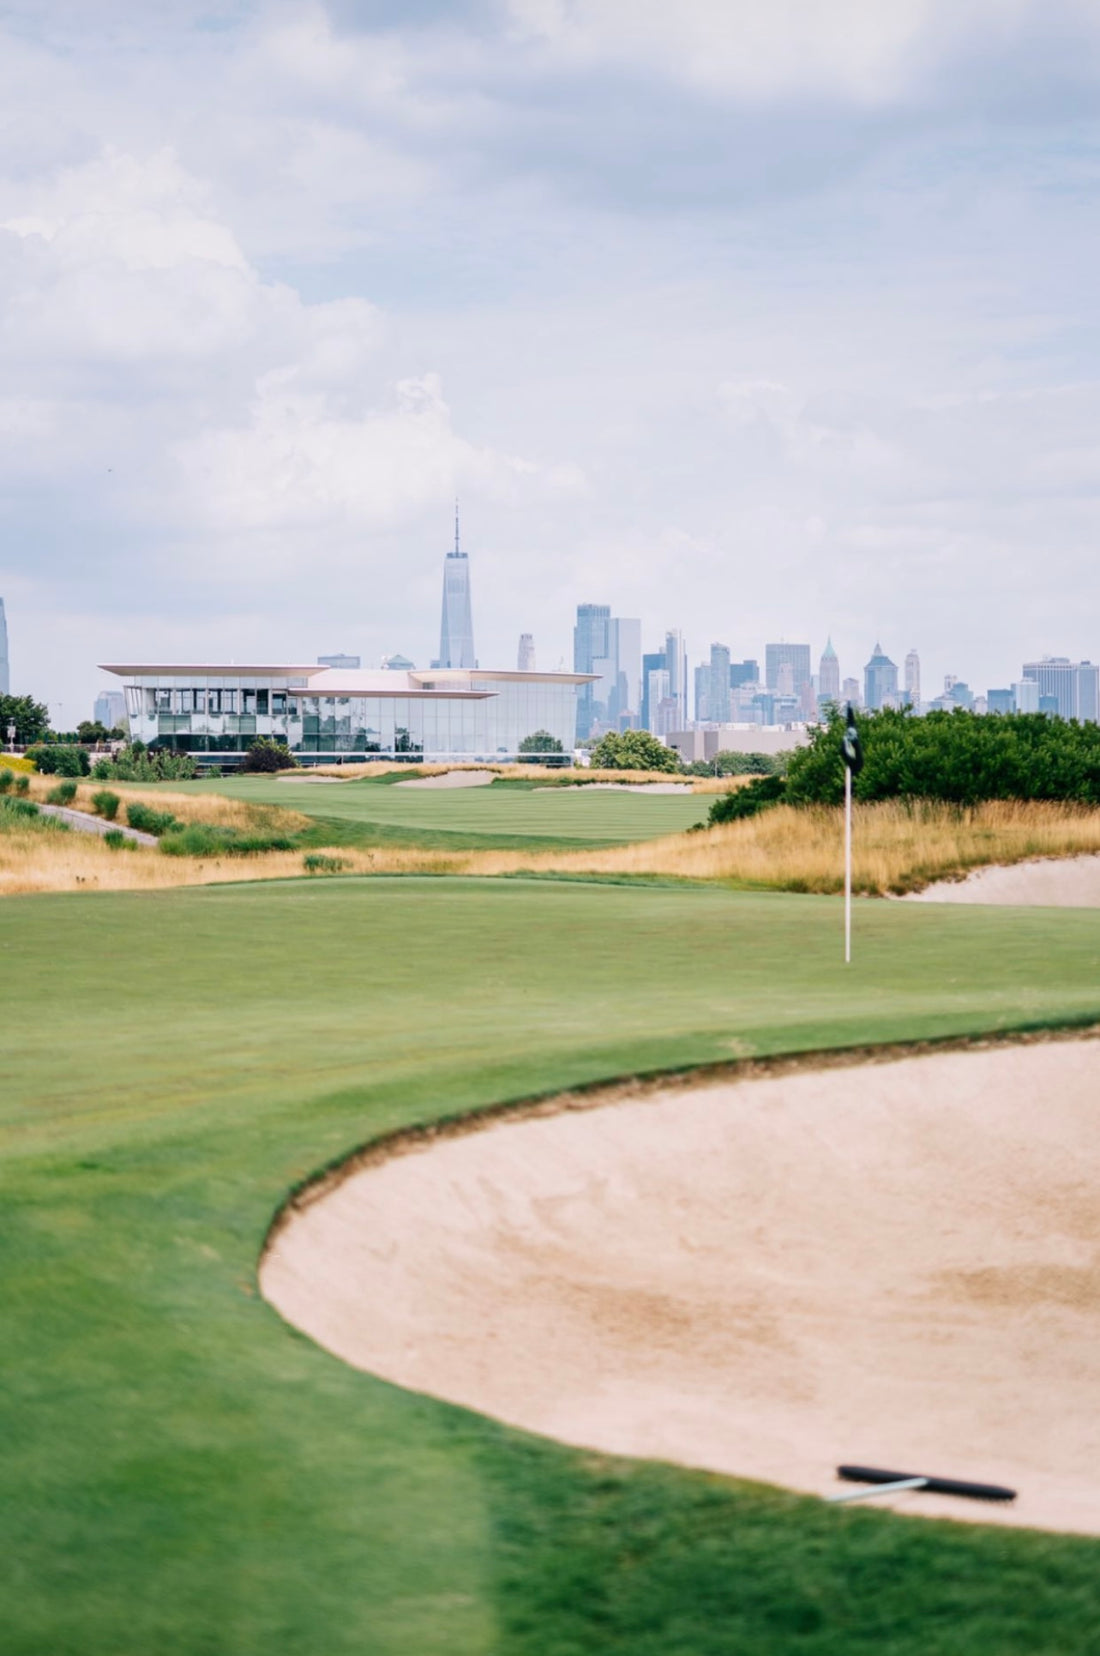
(261, 702)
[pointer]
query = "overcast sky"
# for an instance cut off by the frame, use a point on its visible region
(761, 318)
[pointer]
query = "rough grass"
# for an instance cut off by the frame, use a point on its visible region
(211, 808)
(897, 849)
(183, 1475)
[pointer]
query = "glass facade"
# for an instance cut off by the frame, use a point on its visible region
(471, 715)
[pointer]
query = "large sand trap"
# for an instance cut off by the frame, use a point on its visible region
(896, 1263)
(451, 779)
(1053, 882)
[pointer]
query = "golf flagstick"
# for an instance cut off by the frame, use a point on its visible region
(847, 866)
(851, 751)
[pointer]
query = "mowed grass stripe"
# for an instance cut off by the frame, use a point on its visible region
(183, 1473)
(583, 815)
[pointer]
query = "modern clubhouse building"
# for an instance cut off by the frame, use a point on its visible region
(452, 710)
(324, 714)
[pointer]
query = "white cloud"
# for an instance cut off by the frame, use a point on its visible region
(298, 464)
(866, 50)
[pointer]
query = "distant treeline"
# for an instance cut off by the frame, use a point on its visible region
(959, 757)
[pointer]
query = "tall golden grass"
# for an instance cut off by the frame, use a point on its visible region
(211, 808)
(897, 849)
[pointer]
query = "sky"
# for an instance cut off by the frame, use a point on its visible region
(758, 318)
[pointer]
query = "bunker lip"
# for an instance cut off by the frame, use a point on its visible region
(594, 1095)
(762, 1269)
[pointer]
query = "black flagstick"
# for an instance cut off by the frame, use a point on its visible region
(851, 752)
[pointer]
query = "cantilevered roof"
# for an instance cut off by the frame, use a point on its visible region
(211, 669)
(509, 676)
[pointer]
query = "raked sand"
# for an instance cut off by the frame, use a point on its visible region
(895, 1263)
(1053, 882)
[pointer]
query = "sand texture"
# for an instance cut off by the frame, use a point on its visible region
(451, 779)
(896, 1263)
(1054, 882)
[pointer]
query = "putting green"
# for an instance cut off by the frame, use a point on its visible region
(575, 816)
(183, 1473)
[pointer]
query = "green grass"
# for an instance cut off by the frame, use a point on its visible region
(183, 1474)
(474, 817)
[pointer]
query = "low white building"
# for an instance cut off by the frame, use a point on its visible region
(325, 714)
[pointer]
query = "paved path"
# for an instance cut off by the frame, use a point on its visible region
(88, 824)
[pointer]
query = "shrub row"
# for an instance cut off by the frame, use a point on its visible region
(756, 796)
(14, 782)
(59, 759)
(201, 839)
(961, 758)
(136, 763)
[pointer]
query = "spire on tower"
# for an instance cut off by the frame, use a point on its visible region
(458, 553)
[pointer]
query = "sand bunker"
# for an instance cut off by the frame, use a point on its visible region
(451, 779)
(1054, 882)
(896, 1263)
(683, 788)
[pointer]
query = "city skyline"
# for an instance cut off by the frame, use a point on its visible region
(644, 691)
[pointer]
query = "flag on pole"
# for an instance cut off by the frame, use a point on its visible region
(851, 747)
(851, 751)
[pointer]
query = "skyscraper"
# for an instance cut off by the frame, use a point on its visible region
(718, 693)
(590, 647)
(1073, 685)
(880, 681)
(652, 662)
(456, 632)
(623, 673)
(796, 656)
(912, 680)
(525, 656)
(828, 675)
(702, 692)
(677, 664)
(5, 670)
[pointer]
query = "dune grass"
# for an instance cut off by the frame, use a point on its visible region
(897, 848)
(182, 1473)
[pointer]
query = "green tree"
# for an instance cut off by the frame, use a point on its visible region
(30, 718)
(60, 759)
(730, 763)
(758, 795)
(90, 731)
(960, 757)
(266, 755)
(541, 746)
(634, 750)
